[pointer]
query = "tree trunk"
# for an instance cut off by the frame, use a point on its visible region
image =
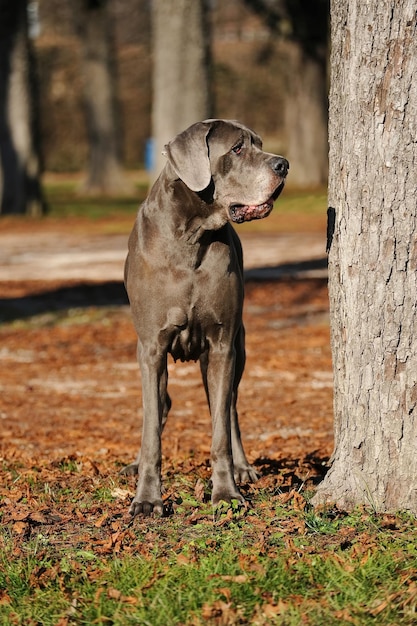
(105, 174)
(181, 93)
(373, 255)
(20, 188)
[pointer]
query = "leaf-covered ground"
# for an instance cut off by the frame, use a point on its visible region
(70, 414)
(70, 389)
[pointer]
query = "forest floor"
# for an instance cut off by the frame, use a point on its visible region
(70, 414)
(70, 385)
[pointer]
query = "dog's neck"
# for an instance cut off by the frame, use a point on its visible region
(194, 214)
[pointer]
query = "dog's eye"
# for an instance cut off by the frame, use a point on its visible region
(237, 149)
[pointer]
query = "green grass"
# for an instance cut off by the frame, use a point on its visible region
(64, 200)
(306, 202)
(275, 563)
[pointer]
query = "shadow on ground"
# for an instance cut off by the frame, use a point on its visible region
(317, 463)
(78, 295)
(113, 293)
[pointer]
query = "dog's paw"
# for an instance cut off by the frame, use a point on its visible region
(245, 474)
(228, 510)
(220, 497)
(146, 508)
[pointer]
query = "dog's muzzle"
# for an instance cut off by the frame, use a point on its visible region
(245, 213)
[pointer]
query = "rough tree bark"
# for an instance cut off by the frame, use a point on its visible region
(181, 94)
(20, 163)
(105, 173)
(373, 254)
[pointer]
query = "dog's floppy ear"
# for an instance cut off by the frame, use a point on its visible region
(188, 155)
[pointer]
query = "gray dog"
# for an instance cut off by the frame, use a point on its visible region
(184, 278)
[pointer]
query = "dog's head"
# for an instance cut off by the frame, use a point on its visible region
(224, 162)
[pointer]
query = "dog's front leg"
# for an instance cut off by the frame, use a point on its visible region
(154, 380)
(133, 468)
(220, 372)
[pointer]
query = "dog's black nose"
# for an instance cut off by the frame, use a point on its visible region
(280, 166)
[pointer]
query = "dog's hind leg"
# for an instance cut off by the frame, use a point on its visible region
(243, 470)
(218, 369)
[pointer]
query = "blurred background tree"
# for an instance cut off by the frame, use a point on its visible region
(181, 69)
(302, 25)
(93, 23)
(20, 190)
(152, 67)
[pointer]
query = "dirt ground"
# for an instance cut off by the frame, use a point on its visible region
(70, 385)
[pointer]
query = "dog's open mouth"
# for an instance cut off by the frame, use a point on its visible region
(245, 213)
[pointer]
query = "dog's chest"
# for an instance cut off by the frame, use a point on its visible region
(204, 308)
(205, 315)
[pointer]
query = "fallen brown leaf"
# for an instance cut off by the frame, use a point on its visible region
(240, 578)
(4, 597)
(115, 594)
(20, 528)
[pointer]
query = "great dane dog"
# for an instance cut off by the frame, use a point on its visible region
(184, 278)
